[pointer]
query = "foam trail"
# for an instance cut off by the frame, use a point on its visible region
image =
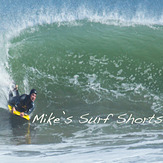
(5, 82)
(5, 79)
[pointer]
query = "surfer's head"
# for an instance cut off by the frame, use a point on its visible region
(33, 94)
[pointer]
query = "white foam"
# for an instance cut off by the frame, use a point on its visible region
(5, 79)
(65, 16)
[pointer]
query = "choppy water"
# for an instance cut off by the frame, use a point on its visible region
(88, 60)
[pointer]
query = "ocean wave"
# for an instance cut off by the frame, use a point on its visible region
(127, 13)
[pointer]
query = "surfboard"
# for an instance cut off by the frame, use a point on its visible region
(18, 113)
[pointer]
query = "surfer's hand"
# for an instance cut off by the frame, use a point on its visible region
(13, 109)
(22, 114)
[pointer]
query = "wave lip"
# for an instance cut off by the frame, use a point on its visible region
(69, 13)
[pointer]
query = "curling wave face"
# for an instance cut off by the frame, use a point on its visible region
(89, 63)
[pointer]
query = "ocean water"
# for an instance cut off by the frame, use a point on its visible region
(98, 70)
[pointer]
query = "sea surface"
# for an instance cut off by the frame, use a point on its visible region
(97, 66)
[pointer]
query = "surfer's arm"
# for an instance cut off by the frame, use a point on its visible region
(13, 109)
(22, 114)
(19, 102)
(31, 110)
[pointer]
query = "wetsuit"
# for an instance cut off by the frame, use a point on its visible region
(21, 103)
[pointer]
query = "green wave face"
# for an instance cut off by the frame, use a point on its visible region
(89, 63)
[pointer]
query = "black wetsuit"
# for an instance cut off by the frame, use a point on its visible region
(21, 103)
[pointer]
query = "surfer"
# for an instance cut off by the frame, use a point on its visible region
(23, 103)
